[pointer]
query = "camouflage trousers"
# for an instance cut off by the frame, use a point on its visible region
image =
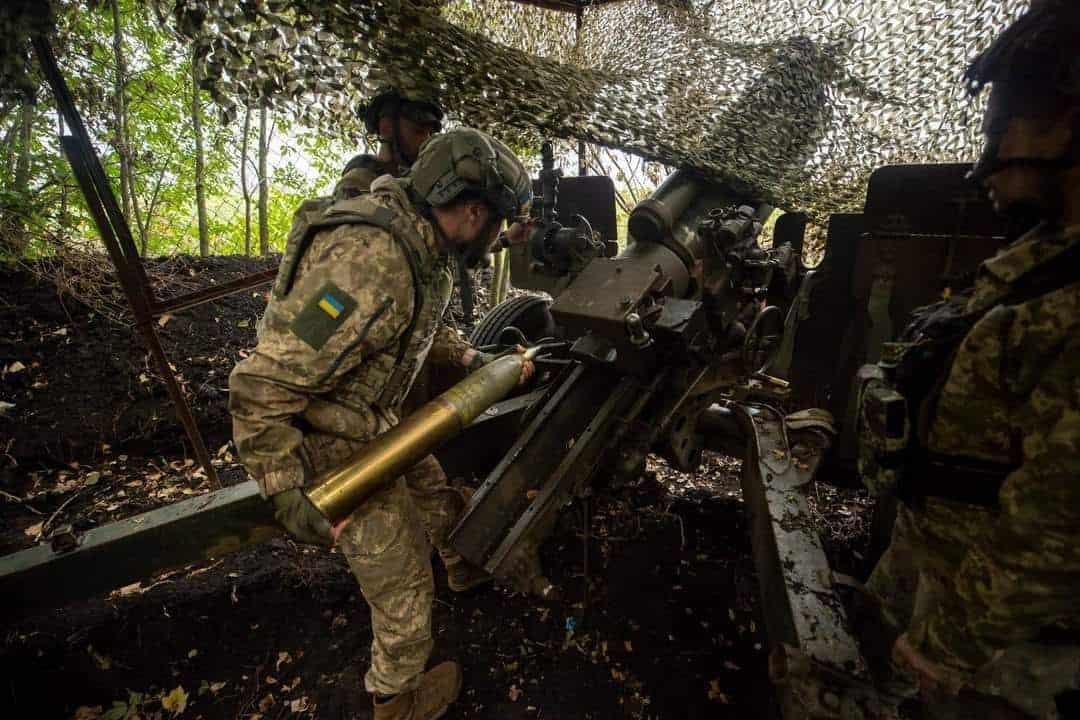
(386, 544)
(915, 574)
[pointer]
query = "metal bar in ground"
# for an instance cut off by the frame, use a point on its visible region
(200, 297)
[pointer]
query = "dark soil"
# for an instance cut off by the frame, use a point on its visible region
(671, 628)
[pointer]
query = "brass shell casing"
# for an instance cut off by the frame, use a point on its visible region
(337, 492)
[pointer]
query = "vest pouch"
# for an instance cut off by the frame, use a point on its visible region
(884, 432)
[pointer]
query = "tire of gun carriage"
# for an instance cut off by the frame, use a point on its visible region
(528, 313)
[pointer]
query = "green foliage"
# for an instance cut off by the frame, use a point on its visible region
(40, 204)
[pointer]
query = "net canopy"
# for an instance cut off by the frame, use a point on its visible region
(789, 101)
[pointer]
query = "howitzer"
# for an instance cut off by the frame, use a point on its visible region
(687, 340)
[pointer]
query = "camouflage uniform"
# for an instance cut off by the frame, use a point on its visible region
(359, 174)
(334, 360)
(974, 588)
(439, 505)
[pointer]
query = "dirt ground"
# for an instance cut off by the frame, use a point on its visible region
(670, 630)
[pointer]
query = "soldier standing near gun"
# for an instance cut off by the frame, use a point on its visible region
(980, 586)
(356, 308)
(403, 122)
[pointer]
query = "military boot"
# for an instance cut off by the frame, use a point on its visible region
(462, 575)
(438, 689)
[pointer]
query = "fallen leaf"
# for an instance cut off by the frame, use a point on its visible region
(266, 703)
(514, 693)
(216, 687)
(102, 661)
(271, 680)
(192, 653)
(716, 695)
(34, 531)
(15, 367)
(92, 478)
(629, 646)
(86, 712)
(299, 705)
(176, 701)
(164, 320)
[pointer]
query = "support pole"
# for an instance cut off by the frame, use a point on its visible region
(581, 169)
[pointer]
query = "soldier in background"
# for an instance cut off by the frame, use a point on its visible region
(980, 586)
(402, 122)
(356, 308)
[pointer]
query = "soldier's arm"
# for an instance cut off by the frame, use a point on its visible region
(1025, 577)
(449, 347)
(353, 298)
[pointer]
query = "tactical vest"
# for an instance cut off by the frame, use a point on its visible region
(384, 379)
(898, 398)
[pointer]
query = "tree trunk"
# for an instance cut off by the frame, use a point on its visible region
(120, 111)
(65, 220)
(244, 181)
(16, 213)
(264, 183)
(200, 162)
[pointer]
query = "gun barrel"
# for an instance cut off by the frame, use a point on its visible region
(337, 492)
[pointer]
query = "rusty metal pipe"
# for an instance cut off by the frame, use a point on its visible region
(337, 492)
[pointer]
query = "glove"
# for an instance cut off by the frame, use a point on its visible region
(480, 360)
(303, 521)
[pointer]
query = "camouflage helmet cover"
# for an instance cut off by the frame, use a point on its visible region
(420, 107)
(465, 159)
(1033, 67)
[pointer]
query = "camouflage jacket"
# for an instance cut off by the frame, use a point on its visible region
(1013, 394)
(358, 179)
(342, 339)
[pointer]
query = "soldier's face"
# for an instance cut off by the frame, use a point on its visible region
(1020, 184)
(410, 134)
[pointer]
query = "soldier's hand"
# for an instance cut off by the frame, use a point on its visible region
(935, 680)
(472, 359)
(528, 368)
(303, 521)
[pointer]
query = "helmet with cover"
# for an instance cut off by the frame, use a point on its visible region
(467, 163)
(420, 107)
(1033, 69)
(465, 160)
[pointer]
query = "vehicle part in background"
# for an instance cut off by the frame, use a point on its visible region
(339, 491)
(556, 249)
(924, 231)
(527, 313)
(552, 253)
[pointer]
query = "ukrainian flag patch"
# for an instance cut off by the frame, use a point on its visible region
(331, 305)
(322, 315)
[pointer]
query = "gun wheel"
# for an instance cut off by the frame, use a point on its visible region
(527, 313)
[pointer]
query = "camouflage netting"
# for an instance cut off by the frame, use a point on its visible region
(792, 101)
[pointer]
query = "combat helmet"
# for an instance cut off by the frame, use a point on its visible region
(1033, 68)
(420, 107)
(467, 160)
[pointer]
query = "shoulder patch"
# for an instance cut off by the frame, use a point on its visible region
(322, 315)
